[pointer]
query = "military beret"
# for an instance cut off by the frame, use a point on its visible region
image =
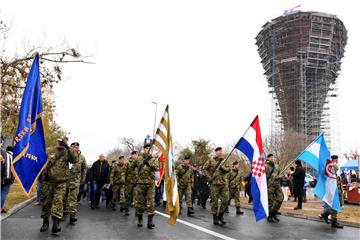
(218, 149)
(75, 144)
(187, 158)
(298, 162)
(270, 155)
(147, 145)
(121, 157)
(235, 162)
(134, 152)
(333, 157)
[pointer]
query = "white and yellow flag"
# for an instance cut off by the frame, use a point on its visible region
(163, 141)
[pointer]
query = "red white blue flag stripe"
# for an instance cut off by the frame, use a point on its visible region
(251, 145)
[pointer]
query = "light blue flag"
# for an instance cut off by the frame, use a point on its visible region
(317, 155)
(29, 142)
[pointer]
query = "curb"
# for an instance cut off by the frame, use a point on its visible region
(17, 208)
(345, 223)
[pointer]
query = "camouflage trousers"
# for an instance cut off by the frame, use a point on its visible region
(187, 191)
(71, 198)
(53, 199)
(129, 193)
(276, 197)
(219, 192)
(145, 198)
(118, 194)
(234, 193)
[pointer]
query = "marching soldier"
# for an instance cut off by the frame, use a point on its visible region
(145, 186)
(234, 186)
(185, 179)
(77, 177)
(117, 181)
(275, 193)
(219, 189)
(328, 210)
(55, 176)
(130, 179)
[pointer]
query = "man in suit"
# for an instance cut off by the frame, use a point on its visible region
(298, 183)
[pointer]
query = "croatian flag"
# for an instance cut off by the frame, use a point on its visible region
(251, 145)
(317, 155)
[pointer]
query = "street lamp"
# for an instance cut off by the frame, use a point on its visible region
(154, 119)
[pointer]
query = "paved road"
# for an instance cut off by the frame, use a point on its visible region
(107, 224)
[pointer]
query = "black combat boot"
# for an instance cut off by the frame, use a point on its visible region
(140, 220)
(56, 225)
(335, 223)
(238, 211)
(190, 211)
(270, 219)
(215, 219)
(73, 219)
(221, 218)
(126, 211)
(273, 215)
(150, 224)
(325, 216)
(45, 225)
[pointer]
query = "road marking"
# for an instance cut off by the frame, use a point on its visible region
(198, 227)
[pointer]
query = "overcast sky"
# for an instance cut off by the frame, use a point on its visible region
(199, 57)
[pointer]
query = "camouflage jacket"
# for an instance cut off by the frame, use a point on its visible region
(273, 175)
(185, 175)
(78, 171)
(234, 179)
(220, 175)
(57, 168)
(117, 175)
(130, 173)
(146, 167)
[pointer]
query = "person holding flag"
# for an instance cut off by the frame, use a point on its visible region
(276, 196)
(328, 187)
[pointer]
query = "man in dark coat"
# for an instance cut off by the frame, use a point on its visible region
(99, 176)
(298, 183)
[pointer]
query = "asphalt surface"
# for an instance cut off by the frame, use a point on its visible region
(104, 223)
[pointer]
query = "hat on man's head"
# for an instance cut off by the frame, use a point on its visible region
(218, 149)
(270, 155)
(298, 162)
(334, 157)
(134, 152)
(187, 158)
(121, 157)
(235, 162)
(147, 145)
(76, 144)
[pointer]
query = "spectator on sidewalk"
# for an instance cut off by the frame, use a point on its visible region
(299, 179)
(7, 177)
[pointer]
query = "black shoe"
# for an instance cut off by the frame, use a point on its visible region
(277, 212)
(297, 208)
(203, 206)
(270, 219)
(221, 218)
(150, 224)
(325, 216)
(336, 225)
(238, 211)
(190, 211)
(215, 219)
(97, 206)
(140, 220)
(275, 217)
(126, 212)
(227, 210)
(45, 225)
(56, 225)
(92, 206)
(73, 219)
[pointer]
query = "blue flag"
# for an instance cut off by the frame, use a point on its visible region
(29, 143)
(317, 155)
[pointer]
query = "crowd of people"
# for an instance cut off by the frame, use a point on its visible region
(130, 183)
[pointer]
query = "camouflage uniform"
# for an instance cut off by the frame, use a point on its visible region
(55, 176)
(145, 185)
(117, 180)
(276, 196)
(219, 188)
(185, 178)
(234, 186)
(130, 181)
(77, 177)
